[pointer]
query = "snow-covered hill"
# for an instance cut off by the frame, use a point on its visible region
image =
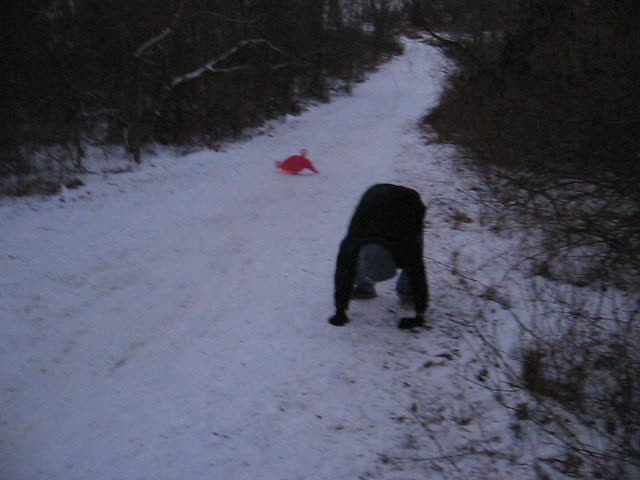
(171, 323)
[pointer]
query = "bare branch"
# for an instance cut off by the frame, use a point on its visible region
(152, 41)
(210, 65)
(225, 17)
(142, 49)
(467, 51)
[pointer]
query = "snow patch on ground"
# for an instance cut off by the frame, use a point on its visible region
(171, 322)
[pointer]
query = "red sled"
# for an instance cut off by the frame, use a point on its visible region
(296, 163)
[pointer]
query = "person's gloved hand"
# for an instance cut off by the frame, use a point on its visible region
(339, 319)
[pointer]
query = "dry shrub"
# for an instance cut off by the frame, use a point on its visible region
(551, 123)
(581, 364)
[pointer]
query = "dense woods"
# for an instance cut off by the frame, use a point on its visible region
(88, 72)
(546, 101)
(544, 105)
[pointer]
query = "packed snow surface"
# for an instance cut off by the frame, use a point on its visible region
(171, 322)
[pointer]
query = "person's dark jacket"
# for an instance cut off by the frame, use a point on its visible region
(391, 216)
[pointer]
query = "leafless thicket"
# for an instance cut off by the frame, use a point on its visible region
(543, 103)
(95, 72)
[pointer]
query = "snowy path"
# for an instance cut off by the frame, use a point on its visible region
(175, 324)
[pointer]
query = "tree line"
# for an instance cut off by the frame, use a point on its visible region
(543, 104)
(545, 100)
(82, 72)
